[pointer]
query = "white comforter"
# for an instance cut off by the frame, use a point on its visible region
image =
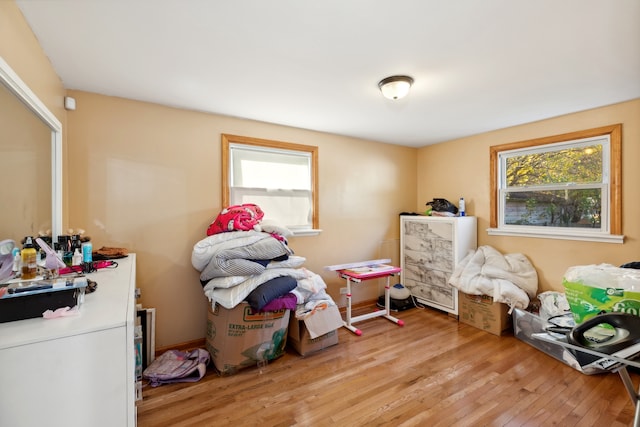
(510, 279)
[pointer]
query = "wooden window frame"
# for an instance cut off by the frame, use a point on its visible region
(227, 140)
(614, 132)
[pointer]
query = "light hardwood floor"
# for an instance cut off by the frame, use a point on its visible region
(433, 371)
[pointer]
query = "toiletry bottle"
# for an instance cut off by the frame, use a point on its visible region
(29, 265)
(17, 260)
(77, 257)
(461, 210)
(87, 255)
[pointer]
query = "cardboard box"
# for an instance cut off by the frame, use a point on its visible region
(316, 332)
(525, 324)
(238, 339)
(480, 311)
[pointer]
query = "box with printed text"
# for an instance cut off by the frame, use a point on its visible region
(238, 338)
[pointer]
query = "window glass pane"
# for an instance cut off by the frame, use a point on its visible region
(581, 164)
(293, 208)
(278, 179)
(274, 175)
(274, 169)
(293, 211)
(578, 208)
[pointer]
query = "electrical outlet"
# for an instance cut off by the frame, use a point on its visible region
(343, 291)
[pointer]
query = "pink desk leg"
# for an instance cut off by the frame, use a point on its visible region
(386, 312)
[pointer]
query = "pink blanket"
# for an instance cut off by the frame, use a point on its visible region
(236, 218)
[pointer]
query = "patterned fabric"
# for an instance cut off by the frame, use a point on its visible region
(206, 248)
(238, 253)
(229, 297)
(178, 366)
(236, 218)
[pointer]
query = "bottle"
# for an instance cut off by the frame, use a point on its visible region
(17, 260)
(67, 258)
(461, 210)
(29, 264)
(87, 255)
(77, 257)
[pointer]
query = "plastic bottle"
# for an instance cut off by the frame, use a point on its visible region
(29, 260)
(87, 249)
(77, 257)
(461, 210)
(17, 260)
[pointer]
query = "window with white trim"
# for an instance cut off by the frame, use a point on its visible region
(280, 177)
(565, 187)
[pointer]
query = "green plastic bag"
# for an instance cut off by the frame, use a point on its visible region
(601, 288)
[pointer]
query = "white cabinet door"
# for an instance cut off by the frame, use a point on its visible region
(430, 249)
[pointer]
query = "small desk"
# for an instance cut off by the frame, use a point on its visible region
(358, 277)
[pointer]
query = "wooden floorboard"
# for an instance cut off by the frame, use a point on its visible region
(433, 371)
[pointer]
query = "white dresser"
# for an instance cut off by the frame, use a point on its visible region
(430, 249)
(76, 370)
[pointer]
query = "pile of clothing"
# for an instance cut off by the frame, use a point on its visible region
(245, 258)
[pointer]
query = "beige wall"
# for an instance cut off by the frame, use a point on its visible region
(148, 178)
(21, 50)
(460, 168)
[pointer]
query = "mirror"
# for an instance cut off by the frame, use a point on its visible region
(30, 161)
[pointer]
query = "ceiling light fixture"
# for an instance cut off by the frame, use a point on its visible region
(395, 87)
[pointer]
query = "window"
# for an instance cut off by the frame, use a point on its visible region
(280, 177)
(564, 187)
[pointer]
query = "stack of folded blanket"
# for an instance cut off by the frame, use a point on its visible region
(244, 258)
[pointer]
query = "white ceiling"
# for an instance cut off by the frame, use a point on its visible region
(478, 65)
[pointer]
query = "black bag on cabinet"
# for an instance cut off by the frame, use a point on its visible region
(443, 205)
